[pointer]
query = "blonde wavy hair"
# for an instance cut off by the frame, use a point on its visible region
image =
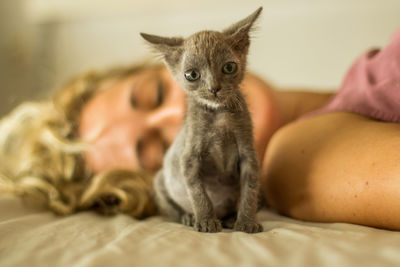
(41, 156)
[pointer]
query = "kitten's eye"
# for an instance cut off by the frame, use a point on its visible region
(229, 68)
(192, 75)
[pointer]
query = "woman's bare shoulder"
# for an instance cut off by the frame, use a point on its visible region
(336, 167)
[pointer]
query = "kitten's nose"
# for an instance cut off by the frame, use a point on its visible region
(214, 90)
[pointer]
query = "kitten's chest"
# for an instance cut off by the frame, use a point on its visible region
(220, 129)
(220, 151)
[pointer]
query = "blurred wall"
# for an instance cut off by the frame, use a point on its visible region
(15, 55)
(298, 43)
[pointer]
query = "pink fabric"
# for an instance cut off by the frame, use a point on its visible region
(372, 85)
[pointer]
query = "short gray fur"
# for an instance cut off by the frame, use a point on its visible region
(210, 173)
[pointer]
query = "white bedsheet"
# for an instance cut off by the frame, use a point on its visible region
(32, 238)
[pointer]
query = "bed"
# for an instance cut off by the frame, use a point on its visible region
(33, 237)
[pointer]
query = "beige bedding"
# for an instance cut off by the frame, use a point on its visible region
(38, 238)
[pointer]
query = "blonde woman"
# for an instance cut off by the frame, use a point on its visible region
(96, 145)
(98, 142)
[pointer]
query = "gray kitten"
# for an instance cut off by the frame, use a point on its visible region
(210, 172)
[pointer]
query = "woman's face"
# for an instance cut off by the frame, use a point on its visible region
(132, 121)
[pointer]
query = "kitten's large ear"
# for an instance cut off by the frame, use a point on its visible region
(238, 33)
(170, 48)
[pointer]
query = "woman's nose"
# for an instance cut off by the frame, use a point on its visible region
(166, 117)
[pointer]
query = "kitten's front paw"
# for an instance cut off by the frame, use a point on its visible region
(208, 225)
(187, 219)
(248, 227)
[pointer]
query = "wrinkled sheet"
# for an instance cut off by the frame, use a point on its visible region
(31, 238)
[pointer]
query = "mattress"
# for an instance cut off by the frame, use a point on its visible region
(32, 237)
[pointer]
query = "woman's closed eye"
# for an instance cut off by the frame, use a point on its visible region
(147, 97)
(160, 92)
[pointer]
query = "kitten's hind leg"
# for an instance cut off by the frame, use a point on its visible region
(229, 221)
(164, 203)
(167, 206)
(187, 219)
